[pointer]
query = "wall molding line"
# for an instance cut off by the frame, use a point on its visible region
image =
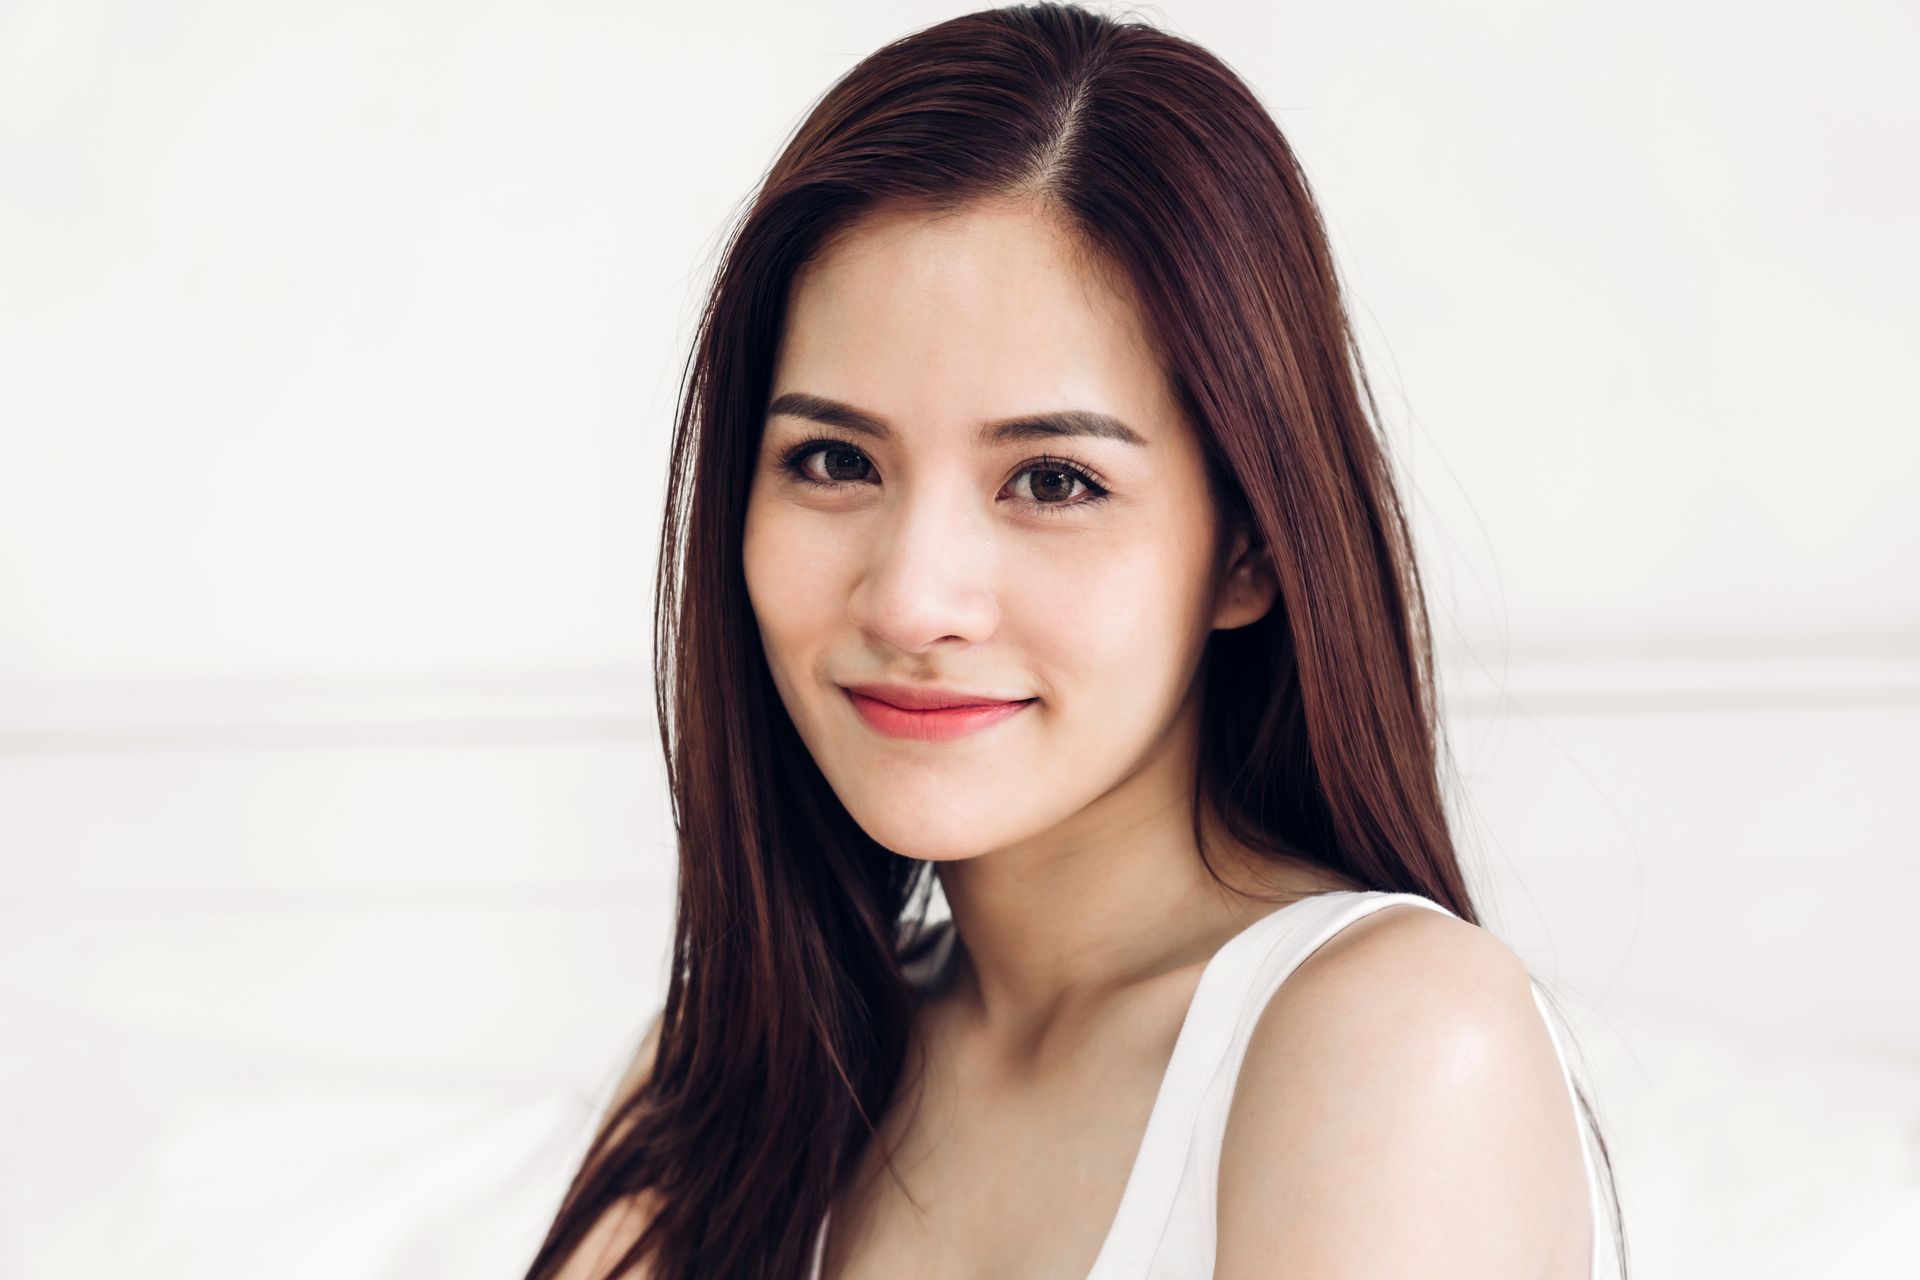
(615, 703)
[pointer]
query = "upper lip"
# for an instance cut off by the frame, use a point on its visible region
(925, 698)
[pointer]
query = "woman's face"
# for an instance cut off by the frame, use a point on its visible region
(1082, 572)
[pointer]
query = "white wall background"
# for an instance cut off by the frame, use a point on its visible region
(338, 352)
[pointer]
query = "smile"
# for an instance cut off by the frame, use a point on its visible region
(942, 725)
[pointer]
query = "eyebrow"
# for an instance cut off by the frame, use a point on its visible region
(1028, 426)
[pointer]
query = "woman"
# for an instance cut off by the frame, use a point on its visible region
(1027, 530)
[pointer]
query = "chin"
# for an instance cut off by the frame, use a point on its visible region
(918, 845)
(908, 835)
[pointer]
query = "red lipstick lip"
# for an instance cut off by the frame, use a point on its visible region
(916, 698)
(938, 724)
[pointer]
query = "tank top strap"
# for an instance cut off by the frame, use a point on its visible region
(1164, 1229)
(1183, 1128)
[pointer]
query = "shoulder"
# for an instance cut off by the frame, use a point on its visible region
(616, 1229)
(1400, 1108)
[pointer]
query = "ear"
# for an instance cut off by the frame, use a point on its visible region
(1249, 588)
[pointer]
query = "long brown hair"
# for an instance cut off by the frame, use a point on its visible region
(785, 1027)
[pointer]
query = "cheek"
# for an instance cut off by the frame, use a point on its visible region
(1112, 608)
(790, 579)
(1115, 614)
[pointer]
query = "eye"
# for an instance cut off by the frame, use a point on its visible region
(837, 454)
(1054, 478)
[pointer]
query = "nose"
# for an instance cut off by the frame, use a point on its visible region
(929, 573)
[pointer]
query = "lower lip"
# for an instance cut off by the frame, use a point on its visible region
(943, 725)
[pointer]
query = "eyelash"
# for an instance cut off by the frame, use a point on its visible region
(1097, 490)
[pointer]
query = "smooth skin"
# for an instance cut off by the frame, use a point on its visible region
(1400, 1110)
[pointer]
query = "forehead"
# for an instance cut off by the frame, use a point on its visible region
(989, 312)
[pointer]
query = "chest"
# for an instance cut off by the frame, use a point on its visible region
(995, 1175)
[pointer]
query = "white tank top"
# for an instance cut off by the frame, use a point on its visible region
(1164, 1227)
